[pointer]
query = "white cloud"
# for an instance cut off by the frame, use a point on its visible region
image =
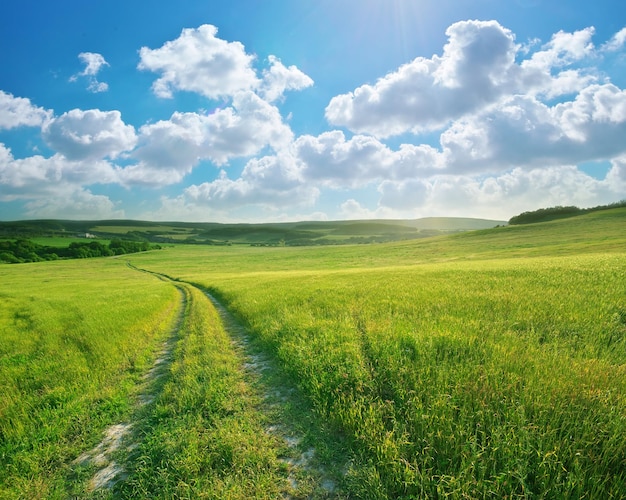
(563, 49)
(93, 64)
(19, 112)
(198, 61)
(178, 144)
(96, 87)
(523, 131)
(74, 203)
(41, 179)
(335, 162)
(399, 195)
(616, 42)
(478, 67)
(271, 182)
(266, 186)
(616, 176)
(501, 196)
(353, 210)
(477, 57)
(543, 72)
(89, 135)
(278, 78)
(426, 93)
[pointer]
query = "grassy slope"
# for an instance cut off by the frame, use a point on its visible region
(595, 232)
(483, 364)
(204, 437)
(297, 233)
(75, 337)
(488, 363)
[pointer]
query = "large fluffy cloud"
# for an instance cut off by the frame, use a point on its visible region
(522, 131)
(89, 135)
(334, 161)
(55, 187)
(272, 182)
(37, 176)
(198, 61)
(176, 145)
(478, 66)
(20, 112)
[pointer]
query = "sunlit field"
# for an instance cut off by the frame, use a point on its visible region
(485, 364)
(481, 365)
(75, 336)
(484, 378)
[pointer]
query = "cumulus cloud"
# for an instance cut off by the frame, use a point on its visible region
(20, 112)
(563, 49)
(616, 42)
(500, 196)
(426, 93)
(74, 203)
(93, 62)
(55, 187)
(522, 131)
(334, 161)
(279, 78)
(176, 145)
(90, 134)
(352, 210)
(478, 67)
(266, 186)
(198, 61)
(271, 181)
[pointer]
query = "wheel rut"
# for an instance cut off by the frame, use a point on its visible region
(118, 438)
(300, 459)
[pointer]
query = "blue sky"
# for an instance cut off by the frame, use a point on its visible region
(297, 110)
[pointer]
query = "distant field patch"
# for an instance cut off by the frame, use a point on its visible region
(65, 242)
(156, 229)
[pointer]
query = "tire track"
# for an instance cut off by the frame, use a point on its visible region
(301, 460)
(119, 437)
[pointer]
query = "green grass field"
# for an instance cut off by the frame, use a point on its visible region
(486, 364)
(75, 336)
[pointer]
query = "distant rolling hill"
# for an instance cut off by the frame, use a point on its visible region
(272, 234)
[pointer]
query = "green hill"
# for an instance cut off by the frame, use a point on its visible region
(304, 233)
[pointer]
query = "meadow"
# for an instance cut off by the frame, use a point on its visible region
(486, 364)
(75, 337)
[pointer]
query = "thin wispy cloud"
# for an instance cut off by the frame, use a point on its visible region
(93, 64)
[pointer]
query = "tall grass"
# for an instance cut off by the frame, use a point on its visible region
(497, 378)
(486, 364)
(481, 365)
(74, 338)
(205, 437)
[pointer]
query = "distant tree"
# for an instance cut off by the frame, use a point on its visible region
(545, 214)
(10, 258)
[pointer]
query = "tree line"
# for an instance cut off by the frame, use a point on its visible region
(559, 212)
(22, 250)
